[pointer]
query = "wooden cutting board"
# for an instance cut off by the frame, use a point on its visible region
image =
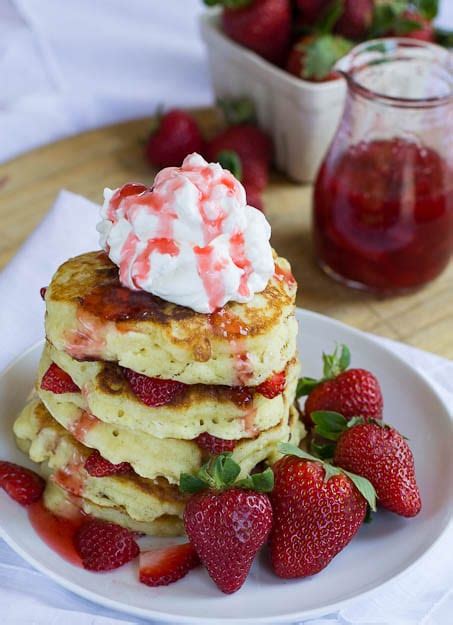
(111, 156)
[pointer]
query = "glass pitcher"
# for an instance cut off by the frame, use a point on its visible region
(383, 198)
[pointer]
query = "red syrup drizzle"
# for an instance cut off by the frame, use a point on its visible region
(80, 428)
(284, 275)
(57, 531)
(209, 269)
(237, 249)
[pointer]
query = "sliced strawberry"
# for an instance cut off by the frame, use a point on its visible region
(213, 444)
(21, 484)
(154, 391)
(98, 466)
(163, 566)
(104, 546)
(58, 381)
(273, 386)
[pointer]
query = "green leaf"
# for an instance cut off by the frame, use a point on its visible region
(355, 421)
(238, 111)
(385, 16)
(444, 37)
(231, 161)
(335, 363)
(345, 358)
(229, 470)
(322, 53)
(291, 450)
(330, 471)
(368, 515)
(329, 420)
(329, 17)
(305, 386)
(365, 488)
(428, 8)
(324, 451)
(260, 482)
(327, 434)
(190, 483)
(228, 4)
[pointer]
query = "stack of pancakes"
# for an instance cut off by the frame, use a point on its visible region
(96, 331)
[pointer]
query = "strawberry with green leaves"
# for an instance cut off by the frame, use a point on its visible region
(351, 392)
(227, 520)
(314, 55)
(318, 508)
(376, 451)
(243, 148)
(263, 26)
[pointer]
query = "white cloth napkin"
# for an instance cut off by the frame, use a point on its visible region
(422, 595)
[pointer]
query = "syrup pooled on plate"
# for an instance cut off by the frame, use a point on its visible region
(383, 214)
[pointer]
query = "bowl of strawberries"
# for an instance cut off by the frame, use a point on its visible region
(282, 54)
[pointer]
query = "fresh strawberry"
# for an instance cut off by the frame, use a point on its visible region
(228, 522)
(356, 18)
(246, 140)
(154, 391)
(252, 171)
(311, 10)
(98, 466)
(254, 198)
(104, 546)
(213, 444)
(263, 26)
(317, 511)
(351, 392)
(313, 56)
(165, 565)
(58, 381)
(415, 26)
(273, 386)
(379, 453)
(176, 136)
(21, 484)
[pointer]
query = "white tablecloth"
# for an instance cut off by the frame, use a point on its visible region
(72, 65)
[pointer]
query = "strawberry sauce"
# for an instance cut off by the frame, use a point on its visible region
(57, 531)
(80, 428)
(209, 269)
(383, 214)
(71, 476)
(237, 248)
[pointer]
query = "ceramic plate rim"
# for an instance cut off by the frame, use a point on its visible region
(264, 620)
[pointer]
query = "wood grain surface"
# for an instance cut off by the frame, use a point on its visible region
(113, 155)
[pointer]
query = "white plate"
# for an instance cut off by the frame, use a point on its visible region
(379, 552)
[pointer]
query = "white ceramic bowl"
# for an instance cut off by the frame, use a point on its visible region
(301, 116)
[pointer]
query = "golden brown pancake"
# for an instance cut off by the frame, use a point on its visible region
(106, 393)
(91, 316)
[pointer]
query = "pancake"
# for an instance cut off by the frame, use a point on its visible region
(91, 316)
(107, 395)
(61, 503)
(153, 457)
(45, 441)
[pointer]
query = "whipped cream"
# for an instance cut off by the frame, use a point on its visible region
(191, 239)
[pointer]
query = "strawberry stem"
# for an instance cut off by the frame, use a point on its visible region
(231, 161)
(221, 472)
(237, 111)
(334, 364)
